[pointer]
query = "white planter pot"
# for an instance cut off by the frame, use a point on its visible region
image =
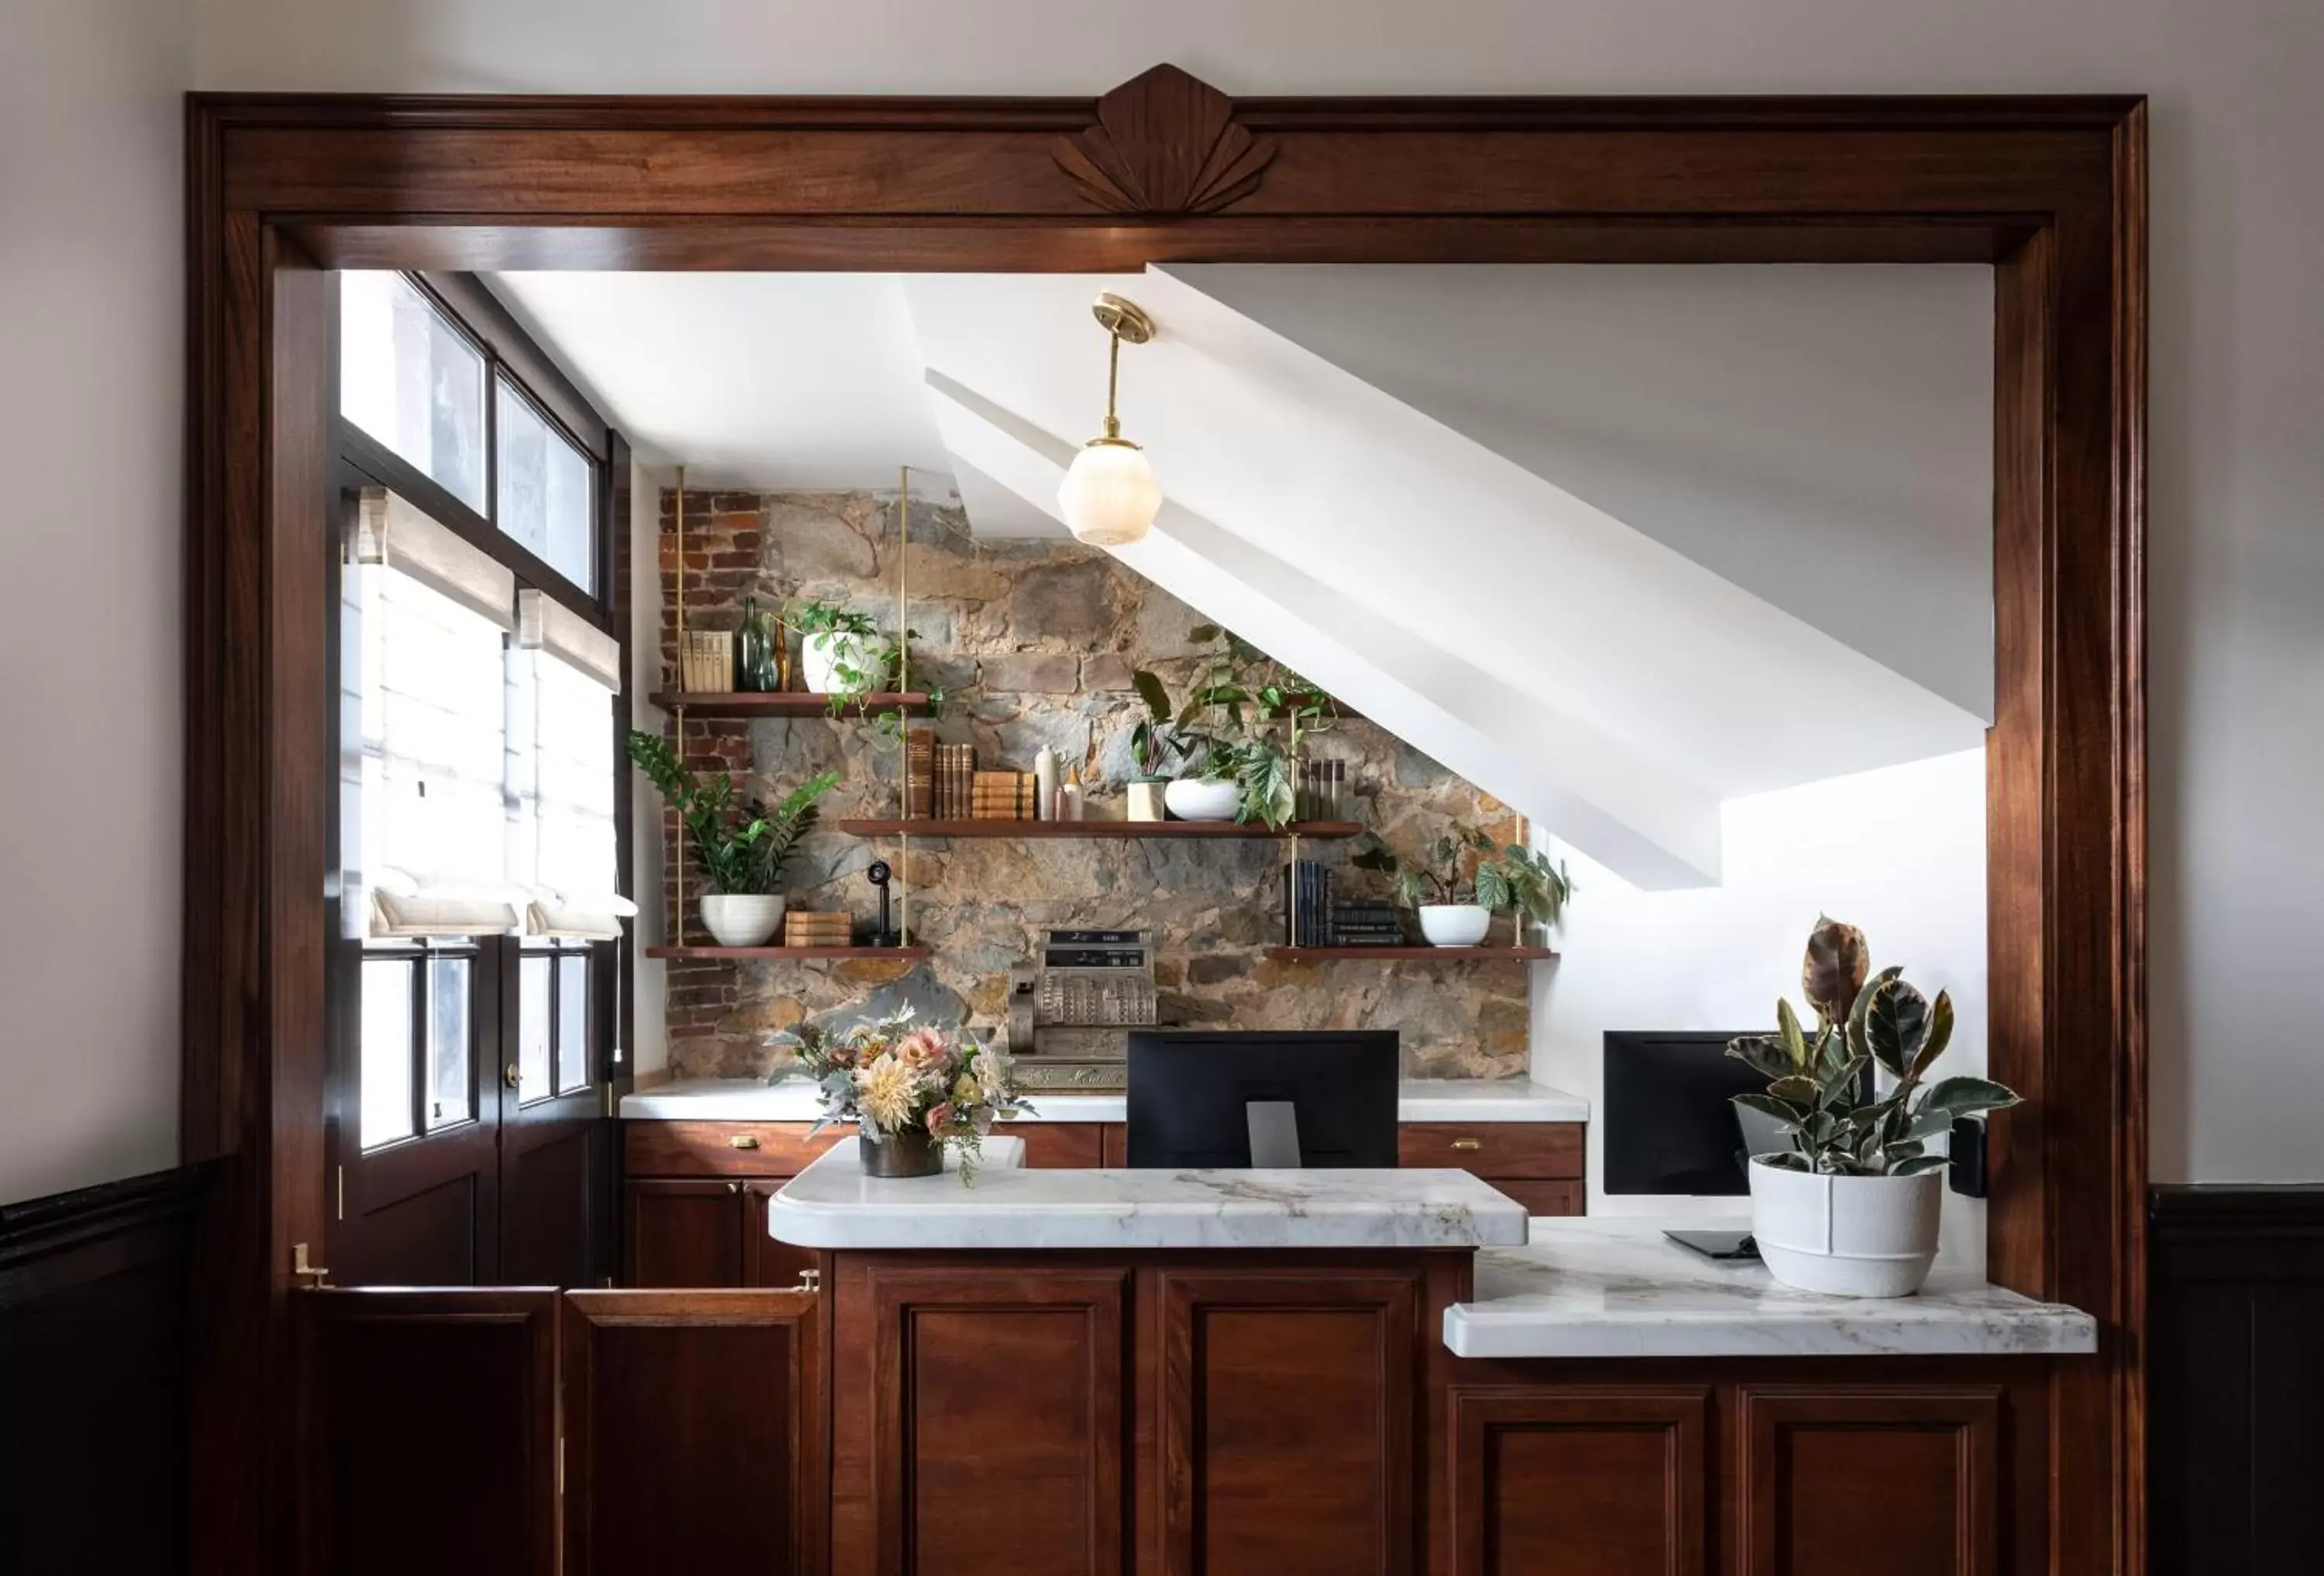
(745, 920)
(819, 654)
(1202, 799)
(1144, 798)
(1846, 1236)
(1454, 923)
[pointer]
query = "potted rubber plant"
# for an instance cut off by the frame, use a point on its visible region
(740, 847)
(1852, 1208)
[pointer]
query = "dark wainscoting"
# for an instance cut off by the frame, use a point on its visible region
(2235, 1381)
(93, 1377)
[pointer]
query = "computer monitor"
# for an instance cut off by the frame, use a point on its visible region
(1669, 1123)
(1233, 1100)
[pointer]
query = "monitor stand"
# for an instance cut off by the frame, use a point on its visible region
(1717, 1244)
(1274, 1134)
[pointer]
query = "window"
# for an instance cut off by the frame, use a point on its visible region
(388, 1060)
(419, 1042)
(546, 490)
(553, 1022)
(413, 380)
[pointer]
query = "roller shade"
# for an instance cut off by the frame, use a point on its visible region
(543, 624)
(392, 533)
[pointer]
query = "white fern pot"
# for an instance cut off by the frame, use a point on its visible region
(1454, 923)
(821, 654)
(1202, 799)
(742, 918)
(1846, 1236)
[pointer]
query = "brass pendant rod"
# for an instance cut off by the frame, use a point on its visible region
(1113, 382)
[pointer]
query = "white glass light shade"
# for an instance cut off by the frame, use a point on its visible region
(1110, 497)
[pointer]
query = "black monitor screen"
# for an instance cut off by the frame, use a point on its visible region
(1667, 1125)
(1191, 1095)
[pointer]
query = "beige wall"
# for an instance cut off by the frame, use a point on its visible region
(91, 359)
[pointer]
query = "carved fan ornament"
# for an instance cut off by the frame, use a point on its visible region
(1164, 145)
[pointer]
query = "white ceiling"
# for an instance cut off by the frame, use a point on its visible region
(795, 381)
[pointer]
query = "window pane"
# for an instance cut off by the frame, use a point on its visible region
(544, 490)
(386, 1051)
(561, 736)
(534, 988)
(448, 1083)
(572, 1022)
(435, 715)
(408, 378)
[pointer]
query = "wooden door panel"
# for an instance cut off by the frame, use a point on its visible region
(1581, 1481)
(551, 1188)
(1288, 1411)
(439, 1236)
(998, 1426)
(1829, 1474)
(766, 1263)
(685, 1234)
(428, 1431)
(693, 1433)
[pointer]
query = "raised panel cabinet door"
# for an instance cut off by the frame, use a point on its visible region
(1905, 1478)
(1588, 1480)
(766, 1262)
(693, 1433)
(999, 1422)
(427, 1432)
(1289, 1403)
(684, 1233)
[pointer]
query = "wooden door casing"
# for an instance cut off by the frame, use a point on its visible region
(1288, 1402)
(427, 1432)
(693, 1428)
(997, 1415)
(1580, 1480)
(1827, 1474)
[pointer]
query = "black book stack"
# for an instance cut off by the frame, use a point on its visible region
(1308, 903)
(1365, 923)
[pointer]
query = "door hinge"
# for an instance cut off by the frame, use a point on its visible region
(609, 1098)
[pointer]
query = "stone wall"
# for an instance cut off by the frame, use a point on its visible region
(1035, 644)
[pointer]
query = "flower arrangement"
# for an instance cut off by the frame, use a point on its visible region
(915, 1090)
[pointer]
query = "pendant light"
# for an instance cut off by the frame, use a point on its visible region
(1110, 497)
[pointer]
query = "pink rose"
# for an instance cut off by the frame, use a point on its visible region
(922, 1049)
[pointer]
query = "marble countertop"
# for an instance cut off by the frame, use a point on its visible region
(833, 1204)
(1421, 1100)
(1594, 1287)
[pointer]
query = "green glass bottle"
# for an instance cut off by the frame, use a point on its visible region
(756, 665)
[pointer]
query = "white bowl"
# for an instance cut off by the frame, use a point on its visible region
(1202, 799)
(1454, 923)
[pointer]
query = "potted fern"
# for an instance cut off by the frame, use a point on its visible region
(1851, 1209)
(740, 848)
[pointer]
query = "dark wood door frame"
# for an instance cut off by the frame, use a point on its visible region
(2051, 191)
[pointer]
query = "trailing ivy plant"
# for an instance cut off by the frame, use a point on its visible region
(740, 847)
(1816, 1085)
(880, 667)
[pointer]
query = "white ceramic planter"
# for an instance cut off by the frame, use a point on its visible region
(745, 920)
(819, 654)
(1847, 1236)
(1143, 796)
(1454, 923)
(1202, 799)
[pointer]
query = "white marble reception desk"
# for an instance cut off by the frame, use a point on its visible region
(833, 1204)
(1617, 1288)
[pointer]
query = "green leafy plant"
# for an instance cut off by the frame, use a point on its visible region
(1244, 721)
(1440, 874)
(1526, 883)
(740, 847)
(1154, 742)
(1816, 1086)
(876, 666)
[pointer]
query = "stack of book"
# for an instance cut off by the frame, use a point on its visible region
(1364, 924)
(1308, 901)
(809, 927)
(920, 774)
(951, 769)
(1000, 795)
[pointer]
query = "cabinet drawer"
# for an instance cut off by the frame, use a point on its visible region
(667, 1148)
(1068, 1146)
(1551, 1151)
(1542, 1198)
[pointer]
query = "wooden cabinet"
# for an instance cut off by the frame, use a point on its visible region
(1580, 1480)
(685, 1232)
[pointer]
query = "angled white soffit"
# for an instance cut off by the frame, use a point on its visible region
(1610, 687)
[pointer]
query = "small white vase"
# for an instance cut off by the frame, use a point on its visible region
(820, 654)
(1143, 797)
(1454, 923)
(742, 918)
(1202, 799)
(1846, 1236)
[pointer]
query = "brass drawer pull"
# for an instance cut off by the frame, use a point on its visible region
(742, 1141)
(1468, 1144)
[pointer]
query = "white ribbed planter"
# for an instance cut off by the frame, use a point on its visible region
(1202, 799)
(821, 653)
(1454, 923)
(740, 919)
(1847, 1236)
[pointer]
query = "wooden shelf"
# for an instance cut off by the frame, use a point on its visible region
(774, 954)
(1389, 954)
(786, 702)
(1096, 829)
